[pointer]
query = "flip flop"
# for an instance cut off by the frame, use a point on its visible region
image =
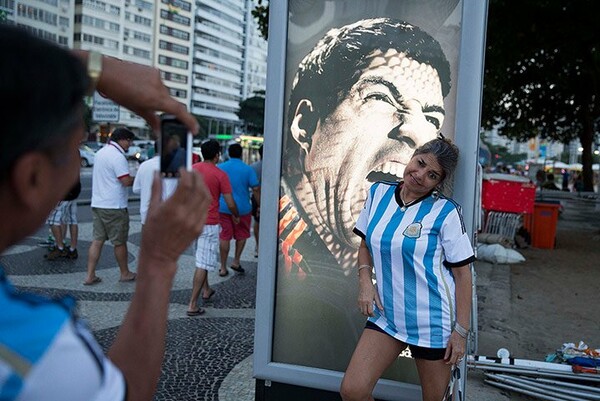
(223, 274)
(238, 269)
(128, 280)
(95, 280)
(210, 294)
(192, 313)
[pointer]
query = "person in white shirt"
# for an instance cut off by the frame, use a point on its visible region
(110, 179)
(142, 184)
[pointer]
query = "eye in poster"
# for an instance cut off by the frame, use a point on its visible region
(365, 84)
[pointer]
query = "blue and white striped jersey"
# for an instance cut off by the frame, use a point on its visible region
(46, 354)
(413, 250)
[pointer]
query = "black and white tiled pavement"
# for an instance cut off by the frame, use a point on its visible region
(207, 357)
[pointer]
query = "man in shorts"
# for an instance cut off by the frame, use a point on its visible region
(243, 179)
(110, 179)
(65, 215)
(207, 248)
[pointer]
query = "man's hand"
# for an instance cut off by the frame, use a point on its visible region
(140, 89)
(172, 225)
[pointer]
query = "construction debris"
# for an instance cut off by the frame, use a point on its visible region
(571, 373)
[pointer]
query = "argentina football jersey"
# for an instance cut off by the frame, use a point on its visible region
(413, 249)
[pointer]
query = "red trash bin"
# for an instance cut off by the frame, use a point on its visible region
(543, 225)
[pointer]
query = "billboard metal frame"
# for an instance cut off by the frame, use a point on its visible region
(467, 127)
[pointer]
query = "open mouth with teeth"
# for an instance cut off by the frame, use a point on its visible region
(388, 171)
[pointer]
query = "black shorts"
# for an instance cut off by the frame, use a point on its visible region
(430, 354)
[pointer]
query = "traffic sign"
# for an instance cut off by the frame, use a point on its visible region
(104, 110)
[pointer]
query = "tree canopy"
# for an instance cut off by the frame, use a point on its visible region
(542, 72)
(252, 111)
(261, 15)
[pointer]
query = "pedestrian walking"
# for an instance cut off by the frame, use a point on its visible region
(207, 246)
(110, 182)
(61, 219)
(243, 180)
(142, 184)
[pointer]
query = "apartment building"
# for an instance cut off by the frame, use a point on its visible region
(255, 56)
(173, 46)
(48, 19)
(209, 52)
(218, 60)
(121, 29)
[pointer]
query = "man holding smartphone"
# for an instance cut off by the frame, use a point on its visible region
(110, 181)
(207, 249)
(48, 353)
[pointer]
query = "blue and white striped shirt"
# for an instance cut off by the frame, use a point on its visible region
(46, 354)
(413, 249)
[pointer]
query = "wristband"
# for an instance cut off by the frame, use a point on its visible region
(461, 330)
(363, 267)
(94, 69)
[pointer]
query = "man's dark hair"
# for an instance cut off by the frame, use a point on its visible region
(260, 150)
(235, 151)
(327, 73)
(210, 149)
(121, 133)
(41, 92)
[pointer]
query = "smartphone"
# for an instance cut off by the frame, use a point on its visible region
(175, 146)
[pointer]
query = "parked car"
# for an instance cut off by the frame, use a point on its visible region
(87, 156)
(136, 153)
(93, 145)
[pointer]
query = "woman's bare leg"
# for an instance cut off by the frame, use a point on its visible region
(374, 352)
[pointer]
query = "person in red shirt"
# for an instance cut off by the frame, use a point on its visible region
(207, 249)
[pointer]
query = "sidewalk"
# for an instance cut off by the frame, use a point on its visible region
(207, 357)
(210, 357)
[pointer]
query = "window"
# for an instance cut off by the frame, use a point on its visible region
(178, 92)
(171, 16)
(176, 33)
(173, 62)
(163, 44)
(37, 14)
(173, 77)
(175, 4)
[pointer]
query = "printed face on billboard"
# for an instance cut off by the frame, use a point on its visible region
(366, 85)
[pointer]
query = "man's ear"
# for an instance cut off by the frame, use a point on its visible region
(304, 124)
(29, 179)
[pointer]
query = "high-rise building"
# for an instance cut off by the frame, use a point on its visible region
(209, 52)
(122, 29)
(255, 56)
(173, 49)
(48, 19)
(218, 59)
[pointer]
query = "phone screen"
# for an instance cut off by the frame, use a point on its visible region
(175, 147)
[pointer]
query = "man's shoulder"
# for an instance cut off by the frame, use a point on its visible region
(210, 169)
(149, 166)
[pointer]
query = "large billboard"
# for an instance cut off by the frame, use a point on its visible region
(354, 87)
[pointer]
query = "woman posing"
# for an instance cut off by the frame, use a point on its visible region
(415, 239)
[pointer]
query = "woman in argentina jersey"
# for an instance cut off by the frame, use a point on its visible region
(415, 240)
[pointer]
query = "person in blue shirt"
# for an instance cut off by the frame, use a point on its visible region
(243, 182)
(46, 353)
